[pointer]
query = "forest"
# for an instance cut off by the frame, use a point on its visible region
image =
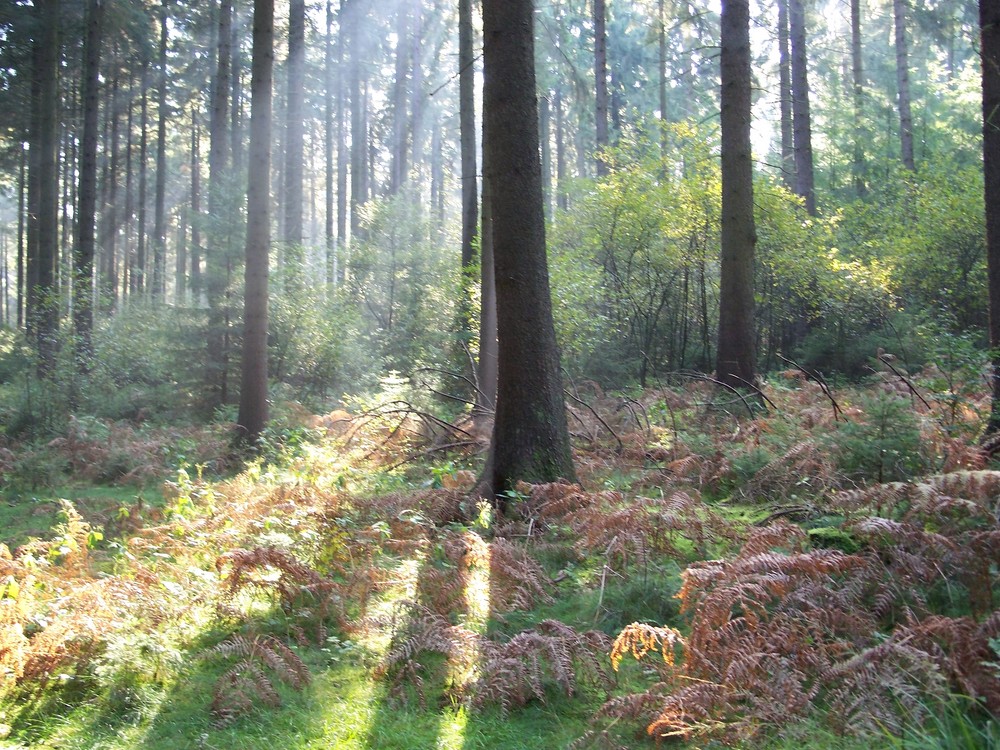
(529, 374)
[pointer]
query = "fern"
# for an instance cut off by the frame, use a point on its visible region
(246, 684)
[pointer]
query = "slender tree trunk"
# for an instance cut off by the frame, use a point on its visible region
(785, 98)
(467, 128)
(735, 362)
(46, 306)
(989, 26)
(545, 135)
(107, 288)
(661, 17)
(353, 18)
(329, 135)
(236, 105)
(196, 216)
(903, 85)
(802, 124)
(253, 386)
(601, 82)
(858, 96)
(398, 165)
(219, 251)
(160, 211)
(139, 273)
(486, 374)
(342, 154)
(530, 436)
(562, 196)
(294, 141)
(22, 192)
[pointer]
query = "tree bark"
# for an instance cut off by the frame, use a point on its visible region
(253, 387)
(218, 260)
(601, 82)
(735, 363)
(804, 178)
(83, 261)
(785, 96)
(43, 302)
(159, 286)
(857, 74)
(903, 85)
(530, 436)
(329, 136)
(294, 140)
(196, 217)
(467, 131)
(989, 25)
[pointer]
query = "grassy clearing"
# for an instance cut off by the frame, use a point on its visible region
(383, 607)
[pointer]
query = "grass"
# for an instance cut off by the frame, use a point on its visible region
(324, 506)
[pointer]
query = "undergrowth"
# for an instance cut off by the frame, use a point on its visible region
(822, 573)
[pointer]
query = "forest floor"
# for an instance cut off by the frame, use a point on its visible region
(820, 570)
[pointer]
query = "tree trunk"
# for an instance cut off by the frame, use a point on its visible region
(735, 362)
(903, 85)
(601, 83)
(530, 436)
(989, 25)
(342, 154)
(785, 98)
(138, 275)
(253, 386)
(45, 307)
(196, 217)
(467, 131)
(661, 16)
(22, 192)
(398, 166)
(218, 260)
(294, 142)
(160, 215)
(329, 134)
(354, 25)
(858, 94)
(562, 195)
(804, 179)
(486, 364)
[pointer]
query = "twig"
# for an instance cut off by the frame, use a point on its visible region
(885, 361)
(818, 378)
(709, 379)
(621, 445)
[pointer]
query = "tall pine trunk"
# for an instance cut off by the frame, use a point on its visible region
(785, 96)
(294, 143)
(83, 261)
(601, 82)
(735, 363)
(858, 94)
(253, 385)
(989, 26)
(903, 85)
(159, 285)
(801, 121)
(530, 435)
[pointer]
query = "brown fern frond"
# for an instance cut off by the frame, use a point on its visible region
(638, 639)
(239, 691)
(517, 581)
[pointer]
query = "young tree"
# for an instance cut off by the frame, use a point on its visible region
(735, 363)
(989, 24)
(253, 385)
(530, 435)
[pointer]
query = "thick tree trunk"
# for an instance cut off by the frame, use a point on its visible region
(530, 436)
(45, 307)
(989, 24)
(804, 178)
(903, 85)
(253, 386)
(858, 94)
(601, 82)
(735, 362)
(785, 98)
